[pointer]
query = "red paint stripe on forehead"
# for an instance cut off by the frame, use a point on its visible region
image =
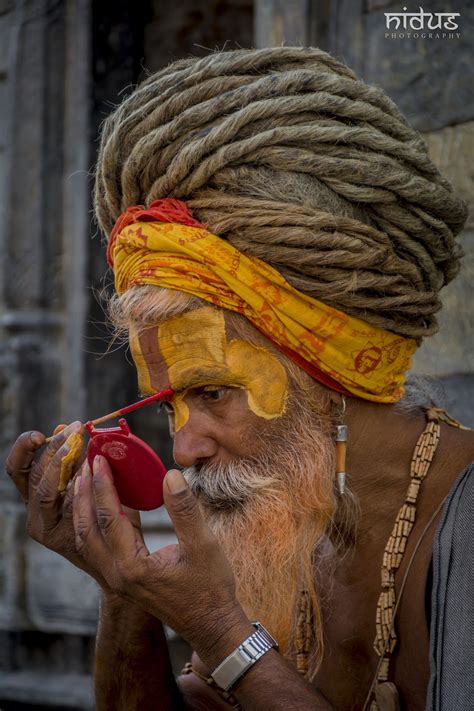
(148, 339)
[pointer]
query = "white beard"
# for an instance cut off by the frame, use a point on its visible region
(269, 513)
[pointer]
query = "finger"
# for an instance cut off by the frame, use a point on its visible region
(70, 462)
(89, 542)
(79, 455)
(134, 517)
(46, 499)
(114, 525)
(45, 506)
(57, 441)
(20, 459)
(70, 489)
(50, 464)
(190, 527)
(59, 428)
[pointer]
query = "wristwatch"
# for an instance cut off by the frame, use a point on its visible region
(245, 656)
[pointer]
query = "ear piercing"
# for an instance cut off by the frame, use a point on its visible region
(341, 451)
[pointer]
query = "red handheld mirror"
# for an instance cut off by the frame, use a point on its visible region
(137, 470)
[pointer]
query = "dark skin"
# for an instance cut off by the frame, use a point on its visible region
(379, 463)
(140, 590)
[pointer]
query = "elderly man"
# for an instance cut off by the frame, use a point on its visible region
(278, 238)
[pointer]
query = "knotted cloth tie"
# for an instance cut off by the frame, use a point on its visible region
(164, 245)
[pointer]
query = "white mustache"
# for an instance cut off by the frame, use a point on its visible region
(283, 454)
(229, 486)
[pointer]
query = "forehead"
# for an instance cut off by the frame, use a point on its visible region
(193, 350)
(181, 348)
(197, 334)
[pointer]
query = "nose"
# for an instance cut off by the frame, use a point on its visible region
(192, 443)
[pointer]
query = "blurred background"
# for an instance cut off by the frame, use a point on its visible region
(63, 67)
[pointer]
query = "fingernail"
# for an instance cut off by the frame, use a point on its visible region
(77, 484)
(37, 438)
(73, 427)
(176, 481)
(96, 465)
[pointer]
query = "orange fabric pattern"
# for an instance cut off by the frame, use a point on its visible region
(344, 352)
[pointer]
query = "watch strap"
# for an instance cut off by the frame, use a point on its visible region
(243, 657)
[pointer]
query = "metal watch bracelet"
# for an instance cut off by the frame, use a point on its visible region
(241, 659)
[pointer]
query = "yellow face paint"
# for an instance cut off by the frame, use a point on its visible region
(197, 353)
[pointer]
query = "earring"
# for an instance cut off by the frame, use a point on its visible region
(341, 450)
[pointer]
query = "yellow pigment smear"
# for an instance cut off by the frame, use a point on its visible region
(197, 353)
(75, 442)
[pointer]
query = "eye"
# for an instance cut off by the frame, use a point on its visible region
(166, 406)
(213, 393)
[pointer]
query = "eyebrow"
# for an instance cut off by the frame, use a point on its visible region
(200, 378)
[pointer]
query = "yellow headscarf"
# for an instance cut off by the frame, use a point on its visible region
(165, 246)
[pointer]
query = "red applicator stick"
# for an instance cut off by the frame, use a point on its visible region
(162, 395)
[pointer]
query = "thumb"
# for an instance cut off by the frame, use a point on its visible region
(183, 508)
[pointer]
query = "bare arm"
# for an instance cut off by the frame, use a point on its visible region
(133, 669)
(189, 586)
(272, 683)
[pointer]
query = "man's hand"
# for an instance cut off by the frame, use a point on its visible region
(49, 513)
(189, 586)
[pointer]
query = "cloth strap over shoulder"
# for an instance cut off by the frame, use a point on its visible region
(451, 686)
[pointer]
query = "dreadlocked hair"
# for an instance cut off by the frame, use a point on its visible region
(289, 157)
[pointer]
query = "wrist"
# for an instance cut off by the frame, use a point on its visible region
(242, 659)
(111, 600)
(120, 608)
(223, 633)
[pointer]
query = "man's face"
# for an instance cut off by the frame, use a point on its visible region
(253, 451)
(226, 390)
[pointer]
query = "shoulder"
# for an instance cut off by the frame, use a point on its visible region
(450, 486)
(456, 447)
(455, 452)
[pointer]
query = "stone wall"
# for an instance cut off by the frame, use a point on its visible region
(448, 357)
(430, 79)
